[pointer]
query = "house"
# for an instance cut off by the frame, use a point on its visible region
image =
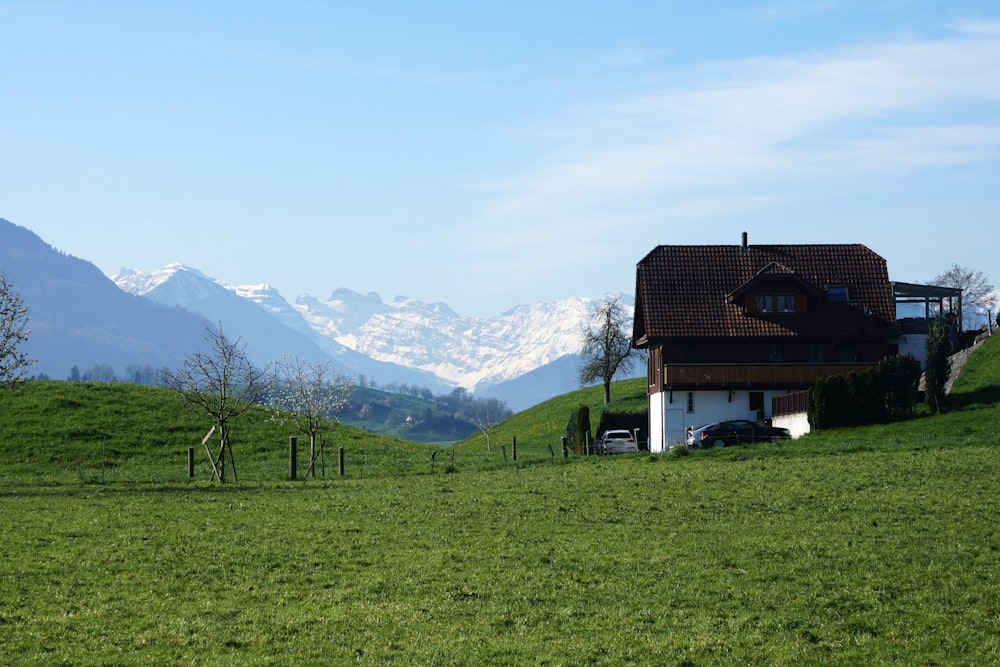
(728, 328)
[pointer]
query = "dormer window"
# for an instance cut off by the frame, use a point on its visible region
(785, 303)
(774, 303)
(837, 294)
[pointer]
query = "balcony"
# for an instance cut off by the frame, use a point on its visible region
(731, 376)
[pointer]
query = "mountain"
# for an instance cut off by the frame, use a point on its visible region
(79, 317)
(262, 319)
(523, 356)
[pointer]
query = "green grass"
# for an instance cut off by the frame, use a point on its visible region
(65, 432)
(545, 424)
(855, 546)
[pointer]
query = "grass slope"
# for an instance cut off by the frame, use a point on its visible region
(545, 424)
(855, 546)
(61, 432)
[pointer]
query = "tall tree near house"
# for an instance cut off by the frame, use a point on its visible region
(223, 384)
(938, 365)
(607, 345)
(976, 290)
(14, 333)
(311, 395)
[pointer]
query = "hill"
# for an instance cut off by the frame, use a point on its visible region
(857, 546)
(54, 431)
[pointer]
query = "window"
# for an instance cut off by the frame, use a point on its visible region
(764, 303)
(837, 294)
(816, 354)
(756, 401)
(775, 354)
(786, 303)
(690, 401)
(848, 353)
(774, 303)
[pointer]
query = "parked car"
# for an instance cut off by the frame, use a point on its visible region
(616, 442)
(735, 432)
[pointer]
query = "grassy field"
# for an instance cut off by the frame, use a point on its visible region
(863, 546)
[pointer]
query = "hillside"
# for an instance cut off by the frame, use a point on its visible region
(61, 431)
(55, 431)
(873, 546)
(973, 416)
(544, 424)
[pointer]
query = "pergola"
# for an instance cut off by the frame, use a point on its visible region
(929, 295)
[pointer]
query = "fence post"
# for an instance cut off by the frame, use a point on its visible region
(513, 447)
(340, 460)
(565, 446)
(293, 456)
(190, 462)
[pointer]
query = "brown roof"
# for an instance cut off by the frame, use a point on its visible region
(689, 292)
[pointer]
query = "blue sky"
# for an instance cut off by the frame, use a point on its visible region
(493, 154)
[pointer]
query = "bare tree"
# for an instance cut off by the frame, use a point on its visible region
(312, 395)
(607, 345)
(976, 289)
(487, 413)
(14, 333)
(223, 384)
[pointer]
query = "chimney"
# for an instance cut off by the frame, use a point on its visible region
(745, 246)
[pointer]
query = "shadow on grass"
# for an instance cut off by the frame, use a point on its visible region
(982, 396)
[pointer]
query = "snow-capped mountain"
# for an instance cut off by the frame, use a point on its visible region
(467, 352)
(486, 355)
(260, 317)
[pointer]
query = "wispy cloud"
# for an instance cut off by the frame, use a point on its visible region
(748, 132)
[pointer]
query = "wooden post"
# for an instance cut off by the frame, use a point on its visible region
(340, 460)
(293, 456)
(565, 446)
(190, 462)
(513, 447)
(552, 454)
(504, 447)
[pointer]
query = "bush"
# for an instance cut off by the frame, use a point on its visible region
(885, 393)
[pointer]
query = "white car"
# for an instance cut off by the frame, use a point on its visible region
(617, 442)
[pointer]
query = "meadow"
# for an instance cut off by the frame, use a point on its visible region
(864, 546)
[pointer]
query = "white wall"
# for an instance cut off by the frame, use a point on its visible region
(797, 423)
(915, 344)
(656, 425)
(669, 421)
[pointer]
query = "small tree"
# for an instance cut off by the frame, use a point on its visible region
(312, 394)
(976, 289)
(14, 333)
(223, 384)
(938, 365)
(487, 413)
(607, 345)
(900, 378)
(581, 430)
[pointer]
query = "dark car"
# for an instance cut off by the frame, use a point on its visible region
(735, 432)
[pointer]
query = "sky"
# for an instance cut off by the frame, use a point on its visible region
(492, 154)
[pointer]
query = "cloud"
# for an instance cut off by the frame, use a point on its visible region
(749, 132)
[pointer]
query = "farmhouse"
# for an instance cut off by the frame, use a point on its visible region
(729, 328)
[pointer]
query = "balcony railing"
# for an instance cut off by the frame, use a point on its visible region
(754, 375)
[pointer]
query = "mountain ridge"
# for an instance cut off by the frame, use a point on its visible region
(485, 355)
(80, 318)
